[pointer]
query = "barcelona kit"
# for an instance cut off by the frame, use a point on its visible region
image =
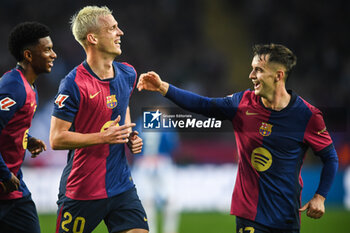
(18, 102)
(91, 105)
(271, 147)
(96, 173)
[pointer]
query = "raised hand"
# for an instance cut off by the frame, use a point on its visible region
(151, 81)
(35, 146)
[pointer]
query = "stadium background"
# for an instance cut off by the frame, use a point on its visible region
(204, 46)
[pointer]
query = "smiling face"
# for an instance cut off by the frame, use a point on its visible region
(264, 76)
(42, 56)
(109, 36)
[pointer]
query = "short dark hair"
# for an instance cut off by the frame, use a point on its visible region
(24, 35)
(277, 53)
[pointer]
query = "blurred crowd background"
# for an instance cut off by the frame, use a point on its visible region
(203, 46)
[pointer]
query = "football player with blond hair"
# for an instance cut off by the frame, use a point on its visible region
(91, 119)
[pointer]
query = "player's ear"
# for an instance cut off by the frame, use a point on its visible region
(280, 74)
(27, 55)
(91, 38)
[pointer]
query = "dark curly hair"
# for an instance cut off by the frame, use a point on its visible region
(25, 35)
(277, 53)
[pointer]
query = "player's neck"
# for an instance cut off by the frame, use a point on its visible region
(278, 100)
(101, 64)
(28, 72)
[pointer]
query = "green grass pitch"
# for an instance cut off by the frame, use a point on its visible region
(335, 220)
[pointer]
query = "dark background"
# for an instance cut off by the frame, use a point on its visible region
(205, 46)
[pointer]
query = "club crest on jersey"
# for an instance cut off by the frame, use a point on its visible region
(111, 101)
(5, 103)
(265, 129)
(60, 100)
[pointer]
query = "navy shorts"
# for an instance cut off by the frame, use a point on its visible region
(246, 226)
(19, 216)
(121, 212)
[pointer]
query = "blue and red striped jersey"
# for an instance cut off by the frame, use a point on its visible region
(18, 102)
(91, 104)
(271, 147)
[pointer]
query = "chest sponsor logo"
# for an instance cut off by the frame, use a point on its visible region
(265, 129)
(111, 101)
(60, 100)
(6, 103)
(261, 159)
(107, 125)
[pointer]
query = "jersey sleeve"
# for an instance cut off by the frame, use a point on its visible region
(330, 166)
(12, 98)
(316, 134)
(67, 100)
(220, 108)
(318, 138)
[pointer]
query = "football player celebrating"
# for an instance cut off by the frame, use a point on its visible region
(273, 128)
(91, 118)
(31, 45)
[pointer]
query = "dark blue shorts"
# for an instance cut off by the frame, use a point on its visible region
(246, 226)
(120, 213)
(19, 216)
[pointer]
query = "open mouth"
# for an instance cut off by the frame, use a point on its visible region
(256, 85)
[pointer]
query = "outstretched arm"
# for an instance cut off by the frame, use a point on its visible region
(221, 108)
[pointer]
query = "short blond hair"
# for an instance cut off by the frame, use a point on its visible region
(86, 21)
